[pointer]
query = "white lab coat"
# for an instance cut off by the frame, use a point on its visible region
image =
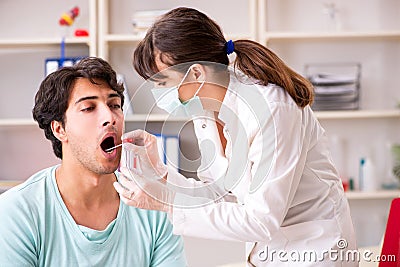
(274, 187)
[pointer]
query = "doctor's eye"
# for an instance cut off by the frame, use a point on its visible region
(161, 83)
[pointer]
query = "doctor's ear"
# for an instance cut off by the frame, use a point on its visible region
(58, 131)
(199, 72)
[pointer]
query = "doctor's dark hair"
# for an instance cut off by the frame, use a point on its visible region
(186, 35)
(51, 100)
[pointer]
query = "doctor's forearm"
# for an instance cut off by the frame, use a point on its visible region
(224, 221)
(189, 186)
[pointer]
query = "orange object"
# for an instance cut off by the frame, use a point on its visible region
(67, 19)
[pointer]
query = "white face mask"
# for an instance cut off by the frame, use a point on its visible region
(168, 100)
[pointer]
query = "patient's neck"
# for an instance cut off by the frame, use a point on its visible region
(89, 197)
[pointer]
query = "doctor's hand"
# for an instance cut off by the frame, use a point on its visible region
(141, 192)
(144, 146)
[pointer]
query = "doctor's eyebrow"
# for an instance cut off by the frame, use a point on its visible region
(112, 95)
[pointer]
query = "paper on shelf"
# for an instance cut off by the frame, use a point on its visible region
(332, 79)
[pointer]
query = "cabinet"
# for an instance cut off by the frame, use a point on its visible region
(304, 32)
(117, 38)
(30, 34)
(116, 43)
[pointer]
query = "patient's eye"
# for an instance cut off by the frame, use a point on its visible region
(115, 103)
(115, 106)
(87, 109)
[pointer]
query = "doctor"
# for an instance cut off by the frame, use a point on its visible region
(266, 175)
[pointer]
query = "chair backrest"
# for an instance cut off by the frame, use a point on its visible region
(391, 241)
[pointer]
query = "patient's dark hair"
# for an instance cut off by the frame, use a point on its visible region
(186, 35)
(51, 100)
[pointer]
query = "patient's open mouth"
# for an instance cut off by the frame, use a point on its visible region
(107, 144)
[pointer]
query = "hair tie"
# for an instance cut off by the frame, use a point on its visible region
(229, 47)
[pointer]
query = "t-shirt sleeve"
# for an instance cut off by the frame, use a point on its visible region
(17, 236)
(168, 248)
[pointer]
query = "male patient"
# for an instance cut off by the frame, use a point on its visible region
(70, 214)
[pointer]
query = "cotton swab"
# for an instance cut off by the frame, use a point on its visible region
(112, 148)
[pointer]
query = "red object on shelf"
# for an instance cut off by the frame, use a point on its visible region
(67, 19)
(345, 185)
(81, 32)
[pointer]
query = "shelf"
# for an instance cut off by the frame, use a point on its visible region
(123, 38)
(17, 122)
(382, 194)
(9, 183)
(34, 42)
(352, 114)
(42, 41)
(268, 36)
(134, 38)
(128, 118)
(155, 118)
(358, 114)
(353, 195)
(5, 185)
(235, 36)
(323, 115)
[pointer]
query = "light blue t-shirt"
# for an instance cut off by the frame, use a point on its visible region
(36, 229)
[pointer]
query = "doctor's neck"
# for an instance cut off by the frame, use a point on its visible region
(212, 96)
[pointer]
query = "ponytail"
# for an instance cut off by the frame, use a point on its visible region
(259, 62)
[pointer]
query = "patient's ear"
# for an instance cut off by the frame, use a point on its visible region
(58, 131)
